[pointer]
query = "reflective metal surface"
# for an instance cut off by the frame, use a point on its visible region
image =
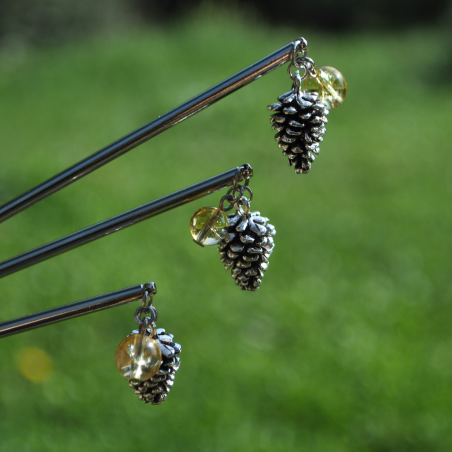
(69, 311)
(299, 119)
(124, 220)
(125, 144)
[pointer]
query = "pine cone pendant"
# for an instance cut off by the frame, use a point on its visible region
(299, 120)
(300, 114)
(147, 357)
(155, 389)
(246, 248)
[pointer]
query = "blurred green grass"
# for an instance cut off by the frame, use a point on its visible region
(346, 347)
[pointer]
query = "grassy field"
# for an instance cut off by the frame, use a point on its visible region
(346, 347)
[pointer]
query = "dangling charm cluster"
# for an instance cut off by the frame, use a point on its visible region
(245, 238)
(248, 243)
(148, 356)
(300, 115)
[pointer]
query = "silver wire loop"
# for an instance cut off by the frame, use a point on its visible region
(242, 190)
(300, 46)
(244, 202)
(236, 200)
(147, 320)
(306, 64)
(228, 198)
(300, 60)
(236, 191)
(293, 76)
(146, 301)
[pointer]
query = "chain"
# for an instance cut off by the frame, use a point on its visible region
(300, 60)
(147, 308)
(235, 194)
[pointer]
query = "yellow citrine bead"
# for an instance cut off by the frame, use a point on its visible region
(208, 226)
(329, 83)
(138, 357)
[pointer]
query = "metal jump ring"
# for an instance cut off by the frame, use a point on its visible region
(242, 191)
(237, 198)
(147, 320)
(303, 61)
(246, 203)
(241, 200)
(232, 191)
(146, 301)
(307, 63)
(228, 198)
(294, 76)
(299, 46)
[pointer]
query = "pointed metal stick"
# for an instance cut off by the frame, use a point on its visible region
(125, 219)
(69, 311)
(150, 130)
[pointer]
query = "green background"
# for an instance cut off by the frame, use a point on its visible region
(347, 346)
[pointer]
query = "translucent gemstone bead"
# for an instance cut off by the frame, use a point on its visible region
(208, 226)
(138, 357)
(329, 83)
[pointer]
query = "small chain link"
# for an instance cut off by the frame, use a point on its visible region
(147, 320)
(300, 46)
(235, 193)
(300, 60)
(146, 306)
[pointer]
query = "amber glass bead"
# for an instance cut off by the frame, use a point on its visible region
(138, 357)
(329, 83)
(208, 226)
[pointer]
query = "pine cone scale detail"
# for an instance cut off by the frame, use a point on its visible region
(243, 249)
(299, 119)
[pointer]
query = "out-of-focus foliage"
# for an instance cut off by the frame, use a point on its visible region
(52, 21)
(347, 345)
(327, 15)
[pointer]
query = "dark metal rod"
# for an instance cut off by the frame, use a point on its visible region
(69, 311)
(124, 220)
(125, 144)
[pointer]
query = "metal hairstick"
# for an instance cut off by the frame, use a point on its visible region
(72, 310)
(148, 131)
(125, 220)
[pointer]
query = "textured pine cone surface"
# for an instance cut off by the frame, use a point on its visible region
(247, 247)
(156, 389)
(300, 120)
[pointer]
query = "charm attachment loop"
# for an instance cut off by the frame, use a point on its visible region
(245, 238)
(300, 60)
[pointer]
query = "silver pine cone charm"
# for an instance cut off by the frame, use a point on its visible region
(156, 389)
(147, 357)
(299, 120)
(246, 248)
